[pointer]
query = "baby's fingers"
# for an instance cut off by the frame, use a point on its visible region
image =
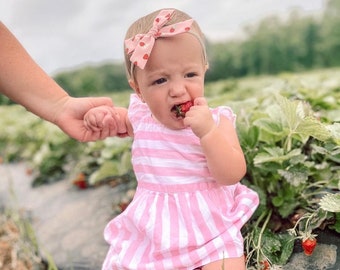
(200, 101)
(110, 127)
(92, 122)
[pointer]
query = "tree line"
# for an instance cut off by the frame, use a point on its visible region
(271, 46)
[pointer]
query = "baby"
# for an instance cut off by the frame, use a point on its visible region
(189, 205)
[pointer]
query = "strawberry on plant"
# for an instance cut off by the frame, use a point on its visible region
(182, 109)
(264, 265)
(308, 241)
(309, 245)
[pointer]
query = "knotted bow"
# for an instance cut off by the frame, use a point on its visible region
(141, 44)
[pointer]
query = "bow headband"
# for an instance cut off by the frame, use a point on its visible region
(141, 44)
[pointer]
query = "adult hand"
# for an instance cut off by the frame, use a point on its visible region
(70, 116)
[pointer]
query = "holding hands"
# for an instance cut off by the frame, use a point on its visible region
(106, 121)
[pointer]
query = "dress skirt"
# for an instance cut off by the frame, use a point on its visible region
(179, 226)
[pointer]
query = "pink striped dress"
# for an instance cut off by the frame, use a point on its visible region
(179, 218)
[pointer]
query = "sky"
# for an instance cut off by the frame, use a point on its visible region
(66, 34)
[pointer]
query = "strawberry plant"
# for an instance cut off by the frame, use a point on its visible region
(293, 160)
(104, 160)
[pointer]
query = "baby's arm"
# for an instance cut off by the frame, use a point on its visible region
(220, 143)
(106, 121)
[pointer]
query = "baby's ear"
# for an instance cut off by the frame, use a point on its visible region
(135, 87)
(133, 84)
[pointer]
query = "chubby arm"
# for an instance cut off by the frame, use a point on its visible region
(108, 121)
(220, 143)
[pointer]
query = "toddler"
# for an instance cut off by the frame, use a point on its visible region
(189, 206)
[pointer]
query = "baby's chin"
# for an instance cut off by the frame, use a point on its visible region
(173, 122)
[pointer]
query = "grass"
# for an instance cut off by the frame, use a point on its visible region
(18, 244)
(19, 249)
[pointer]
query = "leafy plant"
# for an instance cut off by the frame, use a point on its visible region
(293, 159)
(105, 160)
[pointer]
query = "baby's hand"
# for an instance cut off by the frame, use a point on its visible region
(104, 121)
(199, 118)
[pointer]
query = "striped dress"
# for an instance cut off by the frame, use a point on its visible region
(179, 218)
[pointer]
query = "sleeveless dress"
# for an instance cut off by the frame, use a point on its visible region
(180, 218)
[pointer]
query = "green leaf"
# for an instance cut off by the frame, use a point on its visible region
(335, 132)
(275, 154)
(310, 126)
(295, 178)
(287, 244)
(277, 201)
(107, 169)
(248, 136)
(270, 126)
(336, 226)
(288, 207)
(330, 202)
(300, 120)
(289, 110)
(277, 247)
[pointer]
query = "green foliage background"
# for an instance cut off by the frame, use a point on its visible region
(288, 124)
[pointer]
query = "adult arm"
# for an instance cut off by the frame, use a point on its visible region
(24, 82)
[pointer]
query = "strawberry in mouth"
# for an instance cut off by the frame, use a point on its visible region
(181, 109)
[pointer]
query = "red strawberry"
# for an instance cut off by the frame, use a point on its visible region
(264, 265)
(308, 245)
(183, 108)
(123, 206)
(80, 181)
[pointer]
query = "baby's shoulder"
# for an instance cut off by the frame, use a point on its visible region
(223, 111)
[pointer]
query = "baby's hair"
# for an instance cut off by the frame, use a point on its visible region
(144, 24)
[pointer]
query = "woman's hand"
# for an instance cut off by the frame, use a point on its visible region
(71, 113)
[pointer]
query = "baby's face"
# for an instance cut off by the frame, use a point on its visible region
(173, 75)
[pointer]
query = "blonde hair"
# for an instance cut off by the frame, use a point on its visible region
(144, 24)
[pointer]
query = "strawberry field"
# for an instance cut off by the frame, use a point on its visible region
(289, 129)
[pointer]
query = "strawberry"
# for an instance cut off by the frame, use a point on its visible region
(264, 265)
(308, 245)
(80, 181)
(183, 108)
(123, 206)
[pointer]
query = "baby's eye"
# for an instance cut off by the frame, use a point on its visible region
(159, 81)
(191, 74)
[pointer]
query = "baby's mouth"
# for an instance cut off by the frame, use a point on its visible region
(181, 109)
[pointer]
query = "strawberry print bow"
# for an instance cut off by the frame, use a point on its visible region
(141, 44)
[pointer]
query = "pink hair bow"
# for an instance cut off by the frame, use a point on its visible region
(141, 44)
